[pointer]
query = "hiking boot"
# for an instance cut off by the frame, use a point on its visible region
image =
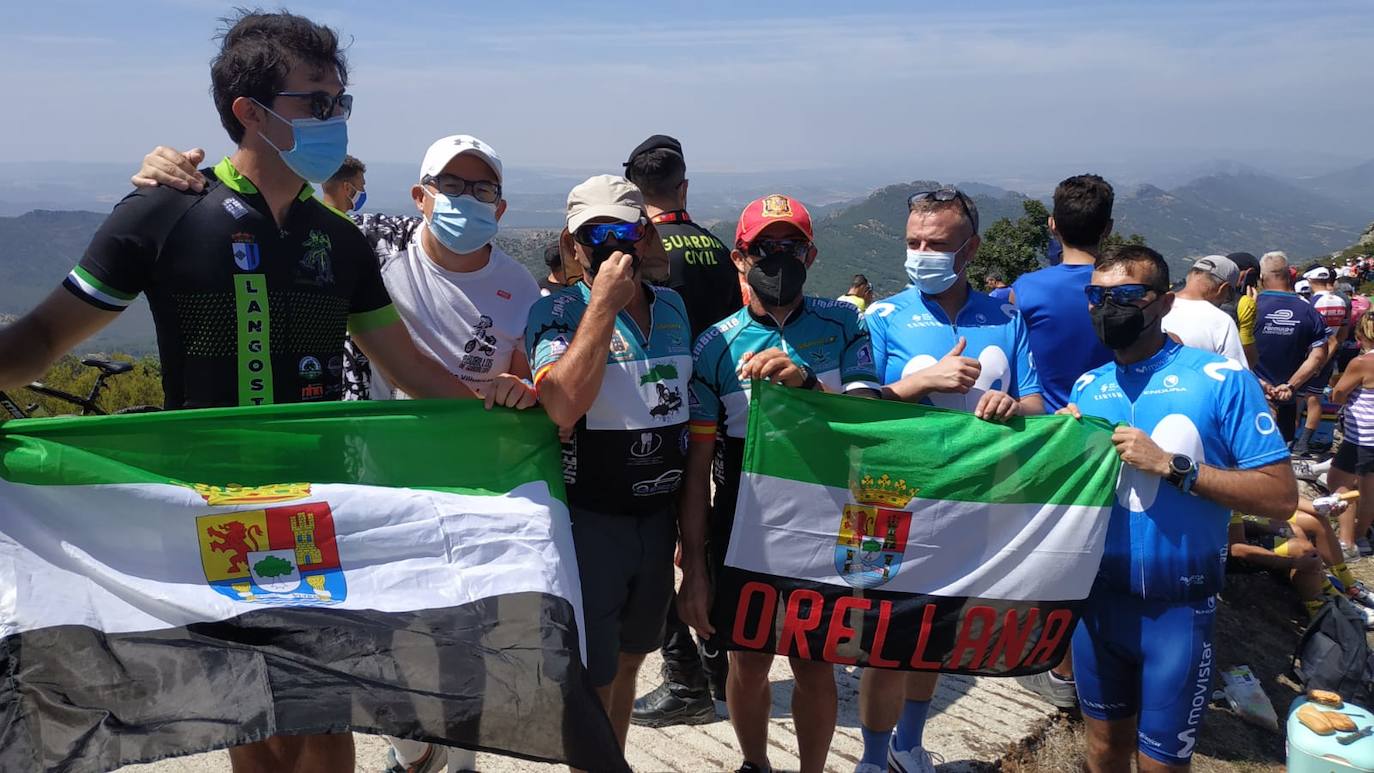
(750, 767)
(868, 767)
(1060, 694)
(1368, 617)
(674, 703)
(1363, 546)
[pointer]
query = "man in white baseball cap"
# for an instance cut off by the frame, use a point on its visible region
(1196, 320)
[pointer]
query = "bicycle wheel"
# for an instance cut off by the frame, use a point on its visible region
(138, 409)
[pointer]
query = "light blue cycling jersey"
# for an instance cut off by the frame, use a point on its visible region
(827, 336)
(1163, 544)
(911, 332)
(627, 454)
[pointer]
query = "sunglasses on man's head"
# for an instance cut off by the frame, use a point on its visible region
(324, 105)
(596, 234)
(791, 248)
(943, 194)
(1129, 293)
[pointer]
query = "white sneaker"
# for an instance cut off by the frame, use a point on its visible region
(1361, 594)
(868, 767)
(1350, 553)
(916, 760)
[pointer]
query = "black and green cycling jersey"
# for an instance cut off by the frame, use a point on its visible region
(247, 313)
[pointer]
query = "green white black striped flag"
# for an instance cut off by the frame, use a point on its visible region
(903, 536)
(177, 582)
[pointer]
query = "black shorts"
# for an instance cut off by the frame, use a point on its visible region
(626, 566)
(1353, 459)
(1286, 416)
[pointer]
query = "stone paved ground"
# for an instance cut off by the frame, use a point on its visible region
(973, 724)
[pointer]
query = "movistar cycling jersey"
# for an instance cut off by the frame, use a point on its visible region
(911, 332)
(247, 313)
(827, 336)
(627, 454)
(1163, 544)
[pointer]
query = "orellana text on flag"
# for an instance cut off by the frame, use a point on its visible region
(190, 580)
(901, 536)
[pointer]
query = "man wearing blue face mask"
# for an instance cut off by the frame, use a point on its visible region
(253, 283)
(939, 342)
(346, 190)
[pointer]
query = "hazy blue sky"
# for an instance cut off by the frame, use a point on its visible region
(747, 85)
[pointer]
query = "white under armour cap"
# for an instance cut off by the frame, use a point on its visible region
(449, 148)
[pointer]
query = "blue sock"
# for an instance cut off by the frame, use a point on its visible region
(911, 726)
(875, 746)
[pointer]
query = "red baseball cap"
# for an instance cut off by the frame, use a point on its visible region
(774, 208)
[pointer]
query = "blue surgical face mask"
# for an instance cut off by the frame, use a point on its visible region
(461, 223)
(932, 272)
(359, 198)
(318, 147)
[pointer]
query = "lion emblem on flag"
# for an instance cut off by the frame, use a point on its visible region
(873, 531)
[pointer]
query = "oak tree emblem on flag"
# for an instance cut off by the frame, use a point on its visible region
(284, 556)
(873, 531)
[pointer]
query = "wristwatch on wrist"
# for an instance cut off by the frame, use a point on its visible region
(1182, 472)
(810, 381)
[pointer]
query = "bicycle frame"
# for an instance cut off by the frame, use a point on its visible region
(86, 404)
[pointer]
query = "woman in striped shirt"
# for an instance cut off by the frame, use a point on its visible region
(1353, 466)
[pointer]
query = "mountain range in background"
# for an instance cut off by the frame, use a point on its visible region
(859, 226)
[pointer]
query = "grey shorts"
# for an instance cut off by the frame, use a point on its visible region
(626, 567)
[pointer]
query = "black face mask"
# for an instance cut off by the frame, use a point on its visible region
(1118, 325)
(602, 252)
(776, 280)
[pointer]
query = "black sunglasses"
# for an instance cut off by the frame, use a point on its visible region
(324, 105)
(944, 194)
(1122, 294)
(790, 248)
(452, 185)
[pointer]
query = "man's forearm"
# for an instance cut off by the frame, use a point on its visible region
(693, 515)
(429, 379)
(25, 353)
(570, 387)
(1265, 559)
(1269, 492)
(1309, 368)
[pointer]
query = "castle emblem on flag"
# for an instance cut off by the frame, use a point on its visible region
(283, 556)
(873, 531)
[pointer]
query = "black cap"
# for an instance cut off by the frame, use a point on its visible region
(1244, 260)
(656, 142)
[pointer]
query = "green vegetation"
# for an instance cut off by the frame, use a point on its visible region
(140, 386)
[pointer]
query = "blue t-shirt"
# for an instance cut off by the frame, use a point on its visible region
(628, 453)
(1062, 340)
(1162, 544)
(911, 333)
(1001, 293)
(1287, 328)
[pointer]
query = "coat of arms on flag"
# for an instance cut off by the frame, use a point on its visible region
(873, 531)
(279, 555)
